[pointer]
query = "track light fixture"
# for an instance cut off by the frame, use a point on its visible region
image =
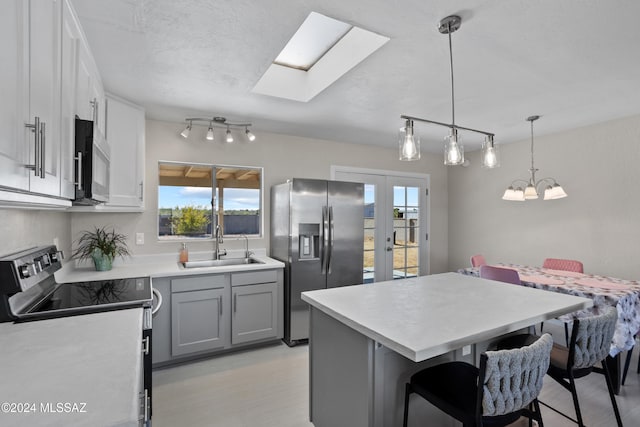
(453, 150)
(218, 122)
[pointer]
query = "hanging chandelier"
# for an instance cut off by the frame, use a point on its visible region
(409, 142)
(516, 192)
(218, 122)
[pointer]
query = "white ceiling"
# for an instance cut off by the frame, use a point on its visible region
(574, 62)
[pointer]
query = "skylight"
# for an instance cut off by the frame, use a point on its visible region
(314, 38)
(320, 52)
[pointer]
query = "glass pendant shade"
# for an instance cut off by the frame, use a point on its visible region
(251, 137)
(210, 134)
(229, 137)
(490, 155)
(453, 150)
(408, 143)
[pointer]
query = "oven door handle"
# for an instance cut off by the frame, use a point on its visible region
(159, 299)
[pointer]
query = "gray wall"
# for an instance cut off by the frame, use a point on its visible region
(599, 223)
(282, 157)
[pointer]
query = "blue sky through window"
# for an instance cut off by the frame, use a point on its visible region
(234, 198)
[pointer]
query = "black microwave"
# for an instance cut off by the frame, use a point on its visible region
(92, 164)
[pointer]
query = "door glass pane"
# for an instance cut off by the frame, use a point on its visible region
(406, 251)
(368, 268)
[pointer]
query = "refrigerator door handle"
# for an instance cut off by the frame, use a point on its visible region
(330, 249)
(324, 256)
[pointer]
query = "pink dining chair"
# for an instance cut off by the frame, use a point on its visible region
(563, 264)
(500, 274)
(478, 260)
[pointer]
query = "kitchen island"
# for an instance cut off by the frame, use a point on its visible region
(367, 340)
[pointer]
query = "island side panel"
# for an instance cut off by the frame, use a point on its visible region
(341, 374)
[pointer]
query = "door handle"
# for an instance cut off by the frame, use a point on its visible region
(325, 240)
(330, 251)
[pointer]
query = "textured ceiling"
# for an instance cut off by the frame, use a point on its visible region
(574, 62)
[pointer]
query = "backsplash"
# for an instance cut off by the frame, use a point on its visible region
(22, 228)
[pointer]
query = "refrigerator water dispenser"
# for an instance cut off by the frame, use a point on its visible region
(309, 241)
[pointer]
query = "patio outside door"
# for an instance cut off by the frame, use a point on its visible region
(395, 224)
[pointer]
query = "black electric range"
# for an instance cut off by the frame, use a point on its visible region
(28, 290)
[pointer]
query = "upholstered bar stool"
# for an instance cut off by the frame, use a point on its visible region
(589, 345)
(504, 387)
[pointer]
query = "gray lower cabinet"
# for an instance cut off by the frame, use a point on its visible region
(205, 314)
(255, 315)
(199, 314)
(161, 322)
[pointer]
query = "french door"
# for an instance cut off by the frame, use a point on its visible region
(395, 223)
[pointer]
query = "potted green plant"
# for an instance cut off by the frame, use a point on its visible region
(101, 246)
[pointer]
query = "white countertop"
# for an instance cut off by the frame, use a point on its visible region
(157, 266)
(427, 316)
(93, 361)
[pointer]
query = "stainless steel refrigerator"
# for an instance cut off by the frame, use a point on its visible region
(317, 230)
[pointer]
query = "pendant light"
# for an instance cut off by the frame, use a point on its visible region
(409, 143)
(516, 192)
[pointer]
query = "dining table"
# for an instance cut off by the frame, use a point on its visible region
(603, 290)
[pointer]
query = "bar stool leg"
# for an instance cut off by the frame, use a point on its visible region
(607, 377)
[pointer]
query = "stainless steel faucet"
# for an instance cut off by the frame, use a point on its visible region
(217, 252)
(247, 252)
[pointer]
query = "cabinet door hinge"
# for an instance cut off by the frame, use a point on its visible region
(426, 236)
(426, 191)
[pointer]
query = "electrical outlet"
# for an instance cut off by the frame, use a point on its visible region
(466, 350)
(139, 238)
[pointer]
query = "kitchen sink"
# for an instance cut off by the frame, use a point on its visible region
(220, 262)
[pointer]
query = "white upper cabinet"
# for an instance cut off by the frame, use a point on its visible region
(71, 36)
(44, 96)
(30, 81)
(126, 137)
(13, 148)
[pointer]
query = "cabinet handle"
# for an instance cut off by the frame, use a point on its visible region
(141, 190)
(235, 302)
(42, 149)
(78, 159)
(220, 305)
(35, 128)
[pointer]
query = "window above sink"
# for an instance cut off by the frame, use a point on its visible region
(193, 198)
